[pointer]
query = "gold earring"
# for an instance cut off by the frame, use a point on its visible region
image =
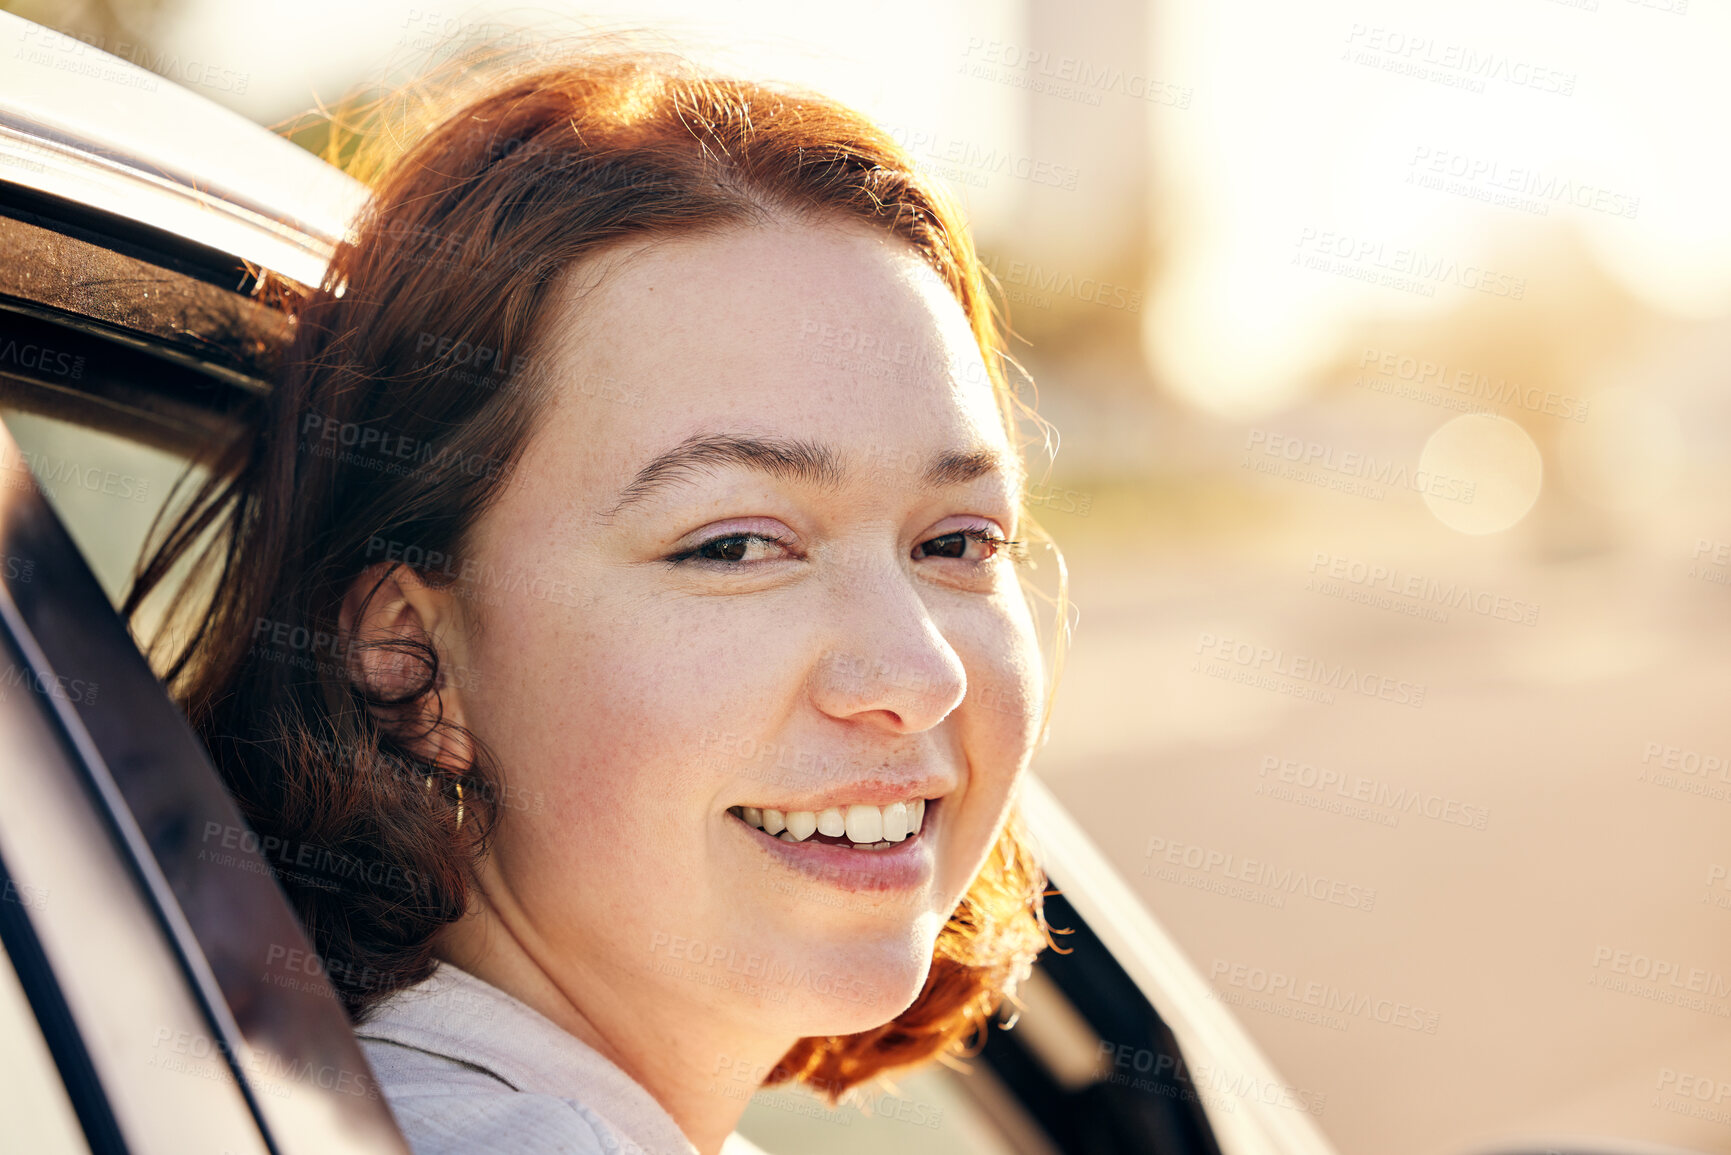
(459, 799)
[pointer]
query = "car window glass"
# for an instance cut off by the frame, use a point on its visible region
(106, 489)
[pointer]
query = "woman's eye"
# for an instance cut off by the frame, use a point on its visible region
(732, 548)
(973, 545)
(956, 544)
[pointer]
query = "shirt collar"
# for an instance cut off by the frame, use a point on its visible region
(454, 1014)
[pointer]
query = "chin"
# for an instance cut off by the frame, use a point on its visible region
(853, 1007)
(856, 987)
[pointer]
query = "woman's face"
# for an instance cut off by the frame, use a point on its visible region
(743, 567)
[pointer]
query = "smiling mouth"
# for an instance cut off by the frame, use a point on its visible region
(855, 827)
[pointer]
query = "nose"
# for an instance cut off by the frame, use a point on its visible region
(886, 660)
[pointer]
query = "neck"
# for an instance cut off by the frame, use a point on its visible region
(701, 1068)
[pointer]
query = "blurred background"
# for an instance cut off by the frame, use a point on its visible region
(1389, 345)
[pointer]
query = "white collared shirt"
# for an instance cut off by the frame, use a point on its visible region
(467, 1068)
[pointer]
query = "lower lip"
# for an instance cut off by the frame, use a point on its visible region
(905, 866)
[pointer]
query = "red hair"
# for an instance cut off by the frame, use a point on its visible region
(470, 221)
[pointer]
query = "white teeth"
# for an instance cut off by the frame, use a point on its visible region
(865, 824)
(896, 821)
(867, 827)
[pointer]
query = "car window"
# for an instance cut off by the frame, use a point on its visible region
(113, 807)
(106, 489)
(37, 1113)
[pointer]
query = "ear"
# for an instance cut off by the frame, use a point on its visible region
(388, 615)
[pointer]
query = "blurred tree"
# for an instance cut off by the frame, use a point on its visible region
(99, 22)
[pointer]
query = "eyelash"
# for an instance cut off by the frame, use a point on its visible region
(1016, 551)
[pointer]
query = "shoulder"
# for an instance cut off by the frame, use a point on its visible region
(466, 1068)
(446, 1107)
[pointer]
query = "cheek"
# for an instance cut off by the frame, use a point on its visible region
(592, 719)
(626, 721)
(1006, 678)
(1001, 723)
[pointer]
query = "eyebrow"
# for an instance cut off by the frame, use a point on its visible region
(806, 462)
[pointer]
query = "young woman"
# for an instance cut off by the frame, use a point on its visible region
(648, 468)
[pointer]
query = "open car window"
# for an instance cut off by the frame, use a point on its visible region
(171, 978)
(105, 488)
